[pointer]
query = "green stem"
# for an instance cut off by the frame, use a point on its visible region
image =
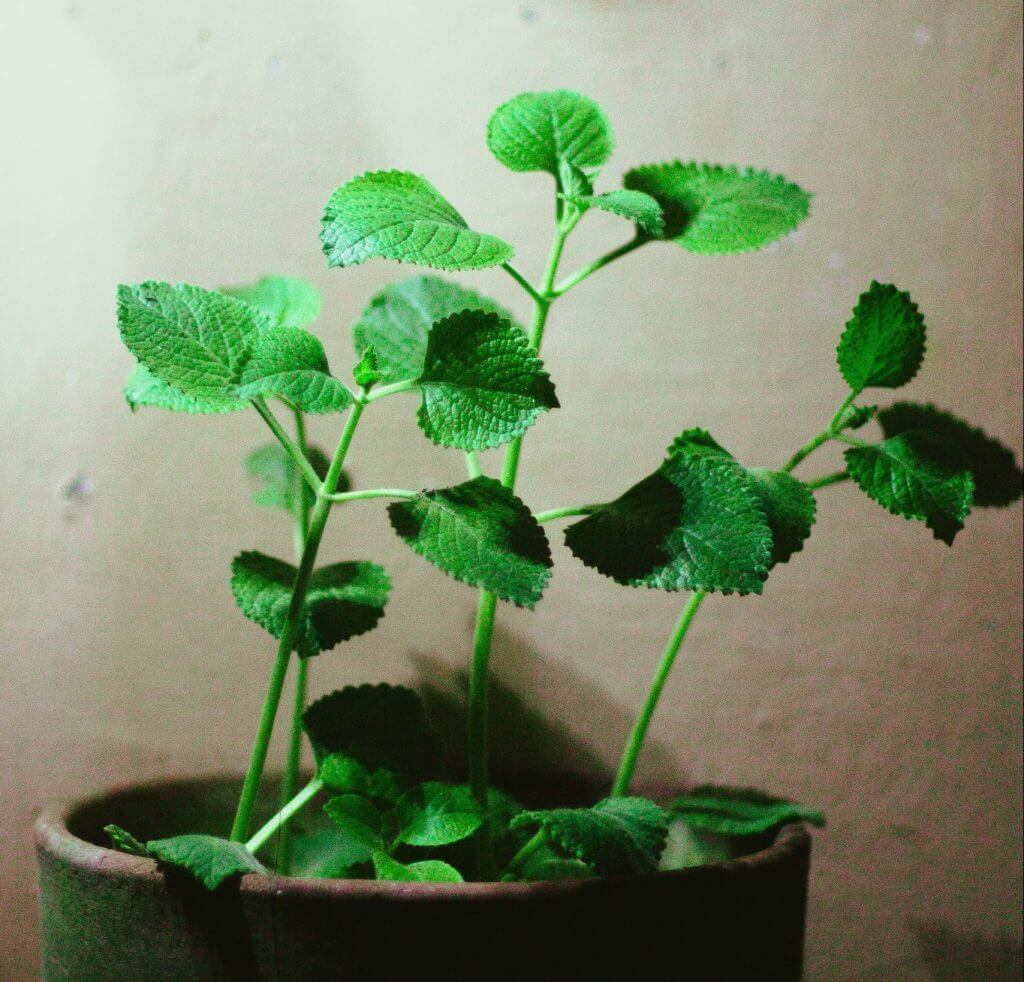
(554, 514)
(304, 466)
(280, 821)
(528, 850)
(473, 464)
(581, 274)
(389, 390)
(370, 493)
(824, 482)
(522, 281)
(853, 441)
(831, 432)
(643, 721)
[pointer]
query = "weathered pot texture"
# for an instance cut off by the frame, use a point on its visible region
(109, 915)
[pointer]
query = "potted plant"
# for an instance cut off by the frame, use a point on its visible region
(385, 861)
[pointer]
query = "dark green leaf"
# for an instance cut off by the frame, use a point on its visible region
(343, 773)
(143, 388)
(635, 206)
(789, 507)
(739, 811)
(361, 828)
(287, 300)
(426, 871)
(436, 814)
(209, 859)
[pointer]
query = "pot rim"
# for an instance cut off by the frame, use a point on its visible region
(52, 836)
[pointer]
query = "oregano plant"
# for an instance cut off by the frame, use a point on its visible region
(700, 522)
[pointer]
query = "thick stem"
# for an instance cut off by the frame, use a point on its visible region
(473, 469)
(280, 821)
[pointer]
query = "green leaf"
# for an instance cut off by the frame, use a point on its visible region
(273, 467)
(125, 841)
(398, 319)
(197, 341)
(143, 388)
(538, 130)
(997, 478)
(789, 506)
(547, 864)
(739, 811)
(361, 827)
(426, 871)
(917, 475)
(714, 210)
(367, 372)
(436, 814)
(343, 600)
(883, 344)
(287, 300)
(617, 837)
(343, 773)
(482, 383)
(381, 726)
(401, 216)
(209, 859)
(635, 206)
(481, 534)
(575, 183)
(854, 417)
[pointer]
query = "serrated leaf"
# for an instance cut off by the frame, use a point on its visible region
(401, 216)
(367, 371)
(535, 131)
(714, 210)
(997, 478)
(481, 534)
(398, 319)
(273, 467)
(482, 384)
(125, 841)
(426, 871)
(917, 475)
(209, 859)
(854, 417)
(739, 811)
(143, 389)
(343, 600)
(286, 300)
(361, 828)
(635, 206)
(883, 344)
(789, 507)
(574, 182)
(436, 814)
(547, 864)
(343, 773)
(616, 837)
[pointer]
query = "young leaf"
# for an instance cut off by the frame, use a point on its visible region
(481, 534)
(367, 371)
(576, 184)
(635, 206)
(343, 773)
(435, 814)
(482, 383)
(426, 871)
(789, 507)
(713, 210)
(287, 300)
(143, 388)
(361, 827)
(344, 599)
(125, 841)
(997, 478)
(739, 811)
(917, 475)
(398, 319)
(289, 363)
(209, 859)
(537, 130)
(617, 837)
(883, 344)
(274, 468)
(401, 216)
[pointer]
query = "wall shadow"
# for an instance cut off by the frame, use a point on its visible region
(956, 956)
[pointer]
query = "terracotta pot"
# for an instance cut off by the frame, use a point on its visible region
(108, 915)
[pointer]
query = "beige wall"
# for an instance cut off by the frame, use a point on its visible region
(878, 677)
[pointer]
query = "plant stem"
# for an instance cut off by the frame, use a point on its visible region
(853, 441)
(389, 390)
(370, 493)
(304, 466)
(636, 738)
(531, 846)
(581, 274)
(824, 482)
(522, 281)
(280, 821)
(831, 432)
(473, 464)
(555, 513)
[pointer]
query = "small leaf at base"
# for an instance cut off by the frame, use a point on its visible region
(209, 859)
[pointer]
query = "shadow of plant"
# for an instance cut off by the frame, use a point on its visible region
(955, 956)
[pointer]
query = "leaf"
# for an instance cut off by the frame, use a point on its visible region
(209, 859)
(482, 383)
(854, 417)
(343, 773)
(125, 841)
(712, 210)
(343, 600)
(143, 388)
(997, 478)
(634, 206)
(883, 344)
(739, 811)
(195, 340)
(289, 363)
(286, 300)
(381, 726)
(537, 130)
(574, 182)
(367, 373)
(917, 475)
(548, 865)
(481, 534)
(617, 837)
(789, 507)
(426, 871)
(361, 827)
(272, 465)
(436, 814)
(397, 215)
(398, 319)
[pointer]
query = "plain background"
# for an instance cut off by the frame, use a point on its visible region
(879, 676)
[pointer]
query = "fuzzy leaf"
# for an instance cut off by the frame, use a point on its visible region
(344, 599)
(917, 475)
(997, 478)
(209, 859)
(426, 871)
(125, 841)
(143, 388)
(343, 773)
(883, 344)
(361, 828)
(436, 814)
(635, 206)
(401, 216)
(535, 131)
(713, 210)
(789, 507)
(481, 534)
(367, 371)
(286, 300)
(617, 837)
(482, 383)
(739, 811)
(273, 467)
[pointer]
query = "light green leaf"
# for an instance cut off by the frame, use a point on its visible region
(343, 773)
(883, 343)
(125, 841)
(482, 383)
(789, 507)
(635, 206)
(537, 130)
(739, 811)
(426, 871)
(143, 388)
(401, 216)
(997, 478)
(367, 371)
(343, 600)
(398, 319)
(287, 300)
(361, 828)
(209, 859)
(713, 210)
(617, 837)
(917, 475)
(575, 183)
(436, 814)
(481, 534)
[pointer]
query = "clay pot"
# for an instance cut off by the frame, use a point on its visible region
(109, 915)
